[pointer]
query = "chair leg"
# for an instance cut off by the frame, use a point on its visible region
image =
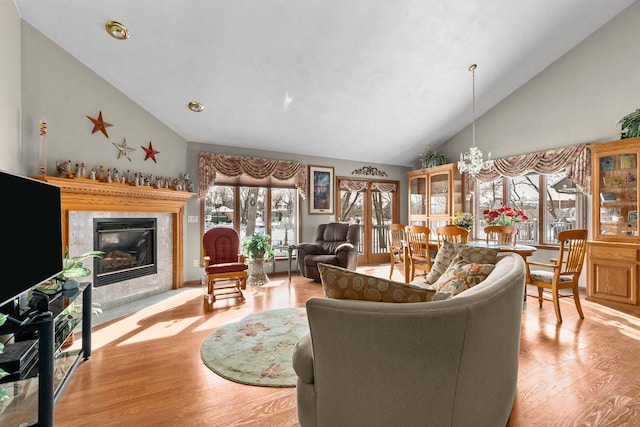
(576, 299)
(556, 303)
(392, 268)
(540, 290)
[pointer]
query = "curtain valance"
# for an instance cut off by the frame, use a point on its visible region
(260, 171)
(357, 185)
(575, 160)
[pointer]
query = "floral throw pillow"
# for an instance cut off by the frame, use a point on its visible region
(461, 276)
(340, 283)
(449, 251)
(445, 255)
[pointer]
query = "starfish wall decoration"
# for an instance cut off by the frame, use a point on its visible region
(150, 153)
(99, 124)
(123, 150)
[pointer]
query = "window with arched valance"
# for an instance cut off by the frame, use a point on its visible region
(575, 160)
(223, 169)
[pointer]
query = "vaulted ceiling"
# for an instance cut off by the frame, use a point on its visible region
(368, 80)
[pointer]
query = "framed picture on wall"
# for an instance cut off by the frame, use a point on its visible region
(321, 189)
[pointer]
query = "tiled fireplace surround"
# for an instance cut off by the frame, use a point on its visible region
(84, 199)
(116, 294)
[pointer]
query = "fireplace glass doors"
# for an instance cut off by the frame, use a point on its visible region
(130, 249)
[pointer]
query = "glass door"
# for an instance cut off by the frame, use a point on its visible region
(373, 205)
(617, 195)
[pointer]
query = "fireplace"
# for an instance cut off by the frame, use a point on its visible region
(130, 249)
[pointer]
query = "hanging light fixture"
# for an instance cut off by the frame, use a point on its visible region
(473, 162)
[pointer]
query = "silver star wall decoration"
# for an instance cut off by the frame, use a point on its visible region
(123, 150)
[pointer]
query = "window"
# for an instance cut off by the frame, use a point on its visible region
(254, 209)
(550, 202)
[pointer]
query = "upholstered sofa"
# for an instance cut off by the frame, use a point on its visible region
(335, 243)
(451, 362)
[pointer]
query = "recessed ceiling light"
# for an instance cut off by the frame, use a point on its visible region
(195, 106)
(116, 30)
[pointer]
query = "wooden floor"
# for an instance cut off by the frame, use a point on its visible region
(146, 368)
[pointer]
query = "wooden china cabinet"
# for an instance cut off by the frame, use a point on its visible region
(613, 254)
(435, 195)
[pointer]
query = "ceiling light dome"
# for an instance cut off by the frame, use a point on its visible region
(116, 30)
(195, 106)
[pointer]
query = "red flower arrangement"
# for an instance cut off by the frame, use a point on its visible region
(505, 215)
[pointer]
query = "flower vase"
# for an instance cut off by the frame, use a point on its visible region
(257, 276)
(505, 239)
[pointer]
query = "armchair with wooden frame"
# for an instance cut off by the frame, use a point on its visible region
(224, 265)
(562, 272)
(451, 233)
(395, 238)
(419, 255)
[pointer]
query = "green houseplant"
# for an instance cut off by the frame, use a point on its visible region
(630, 125)
(258, 246)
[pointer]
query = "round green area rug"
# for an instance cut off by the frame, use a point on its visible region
(257, 349)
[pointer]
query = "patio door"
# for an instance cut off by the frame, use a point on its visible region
(373, 204)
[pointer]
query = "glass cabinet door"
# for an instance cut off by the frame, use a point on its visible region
(618, 195)
(417, 192)
(439, 194)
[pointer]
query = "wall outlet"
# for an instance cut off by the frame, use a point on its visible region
(192, 218)
(196, 263)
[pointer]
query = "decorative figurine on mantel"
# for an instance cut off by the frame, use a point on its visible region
(188, 185)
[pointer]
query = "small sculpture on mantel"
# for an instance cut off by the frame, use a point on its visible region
(188, 185)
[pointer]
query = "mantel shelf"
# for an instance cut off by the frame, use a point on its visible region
(87, 194)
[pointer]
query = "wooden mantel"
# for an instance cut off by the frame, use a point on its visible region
(84, 194)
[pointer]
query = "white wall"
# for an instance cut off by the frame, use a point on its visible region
(578, 99)
(61, 90)
(11, 153)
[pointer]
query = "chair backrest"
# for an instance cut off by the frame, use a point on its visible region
(418, 241)
(573, 246)
(494, 233)
(451, 233)
(332, 235)
(395, 235)
(221, 245)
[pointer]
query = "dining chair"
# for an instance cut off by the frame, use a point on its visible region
(501, 234)
(395, 239)
(562, 272)
(451, 233)
(418, 248)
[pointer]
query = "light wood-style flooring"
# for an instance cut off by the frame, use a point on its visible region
(146, 369)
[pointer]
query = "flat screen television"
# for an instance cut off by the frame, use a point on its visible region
(32, 239)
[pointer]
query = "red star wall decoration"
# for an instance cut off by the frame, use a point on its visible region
(150, 153)
(99, 125)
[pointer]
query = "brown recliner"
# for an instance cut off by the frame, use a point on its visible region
(335, 243)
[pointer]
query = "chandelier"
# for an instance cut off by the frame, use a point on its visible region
(472, 162)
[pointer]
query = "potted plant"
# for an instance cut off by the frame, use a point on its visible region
(430, 158)
(258, 246)
(630, 125)
(72, 269)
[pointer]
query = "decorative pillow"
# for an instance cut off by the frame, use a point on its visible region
(461, 276)
(478, 255)
(471, 254)
(445, 255)
(340, 283)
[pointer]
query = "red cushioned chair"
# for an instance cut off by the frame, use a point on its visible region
(224, 265)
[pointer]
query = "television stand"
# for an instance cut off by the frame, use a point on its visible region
(48, 330)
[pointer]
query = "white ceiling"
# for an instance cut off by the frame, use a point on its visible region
(367, 80)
